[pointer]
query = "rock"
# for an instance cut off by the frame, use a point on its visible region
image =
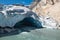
(48, 7)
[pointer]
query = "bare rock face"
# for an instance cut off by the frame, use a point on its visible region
(43, 5)
(50, 8)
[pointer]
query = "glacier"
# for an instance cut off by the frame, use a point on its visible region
(12, 14)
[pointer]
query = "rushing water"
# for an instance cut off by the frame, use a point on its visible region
(36, 34)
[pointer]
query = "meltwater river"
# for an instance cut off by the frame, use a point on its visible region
(35, 34)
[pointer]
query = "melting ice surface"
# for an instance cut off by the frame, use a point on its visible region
(8, 15)
(12, 14)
